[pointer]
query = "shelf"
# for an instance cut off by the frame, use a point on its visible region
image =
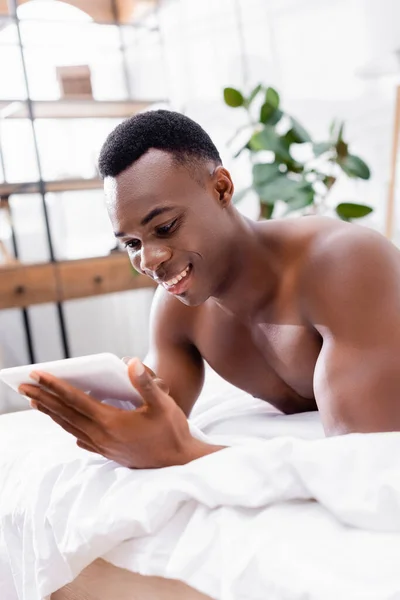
(74, 109)
(6, 189)
(138, 24)
(25, 285)
(125, 11)
(72, 185)
(61, 185)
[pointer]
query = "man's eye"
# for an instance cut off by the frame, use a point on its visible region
(165, 229)
(132, 244)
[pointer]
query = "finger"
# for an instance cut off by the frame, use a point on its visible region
(150, 371)
(68, 395)
(162, 385)
(43, 398)
(127, 360)
(77, 433)
(146, 385)
(160, 382)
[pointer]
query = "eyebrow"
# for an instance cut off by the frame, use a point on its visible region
(154, 213)
(149, 217)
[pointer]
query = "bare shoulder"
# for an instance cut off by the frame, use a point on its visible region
(348, 267)
(346, 250)
(293, 237)
(170, 318)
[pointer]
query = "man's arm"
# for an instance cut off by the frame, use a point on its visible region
(353, 298)
(172, 355)
(157, 433)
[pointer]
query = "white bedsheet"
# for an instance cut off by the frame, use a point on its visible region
(276, 516)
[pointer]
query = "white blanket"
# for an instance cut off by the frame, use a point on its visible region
(275, 516)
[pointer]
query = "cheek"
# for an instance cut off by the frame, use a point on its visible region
(134, 257)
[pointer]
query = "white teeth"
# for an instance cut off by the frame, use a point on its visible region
(175, 280)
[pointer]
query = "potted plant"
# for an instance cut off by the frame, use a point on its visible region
(302, 184)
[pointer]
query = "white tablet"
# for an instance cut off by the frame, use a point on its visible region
(103, 375)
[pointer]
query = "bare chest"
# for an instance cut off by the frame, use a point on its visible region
(272, 361)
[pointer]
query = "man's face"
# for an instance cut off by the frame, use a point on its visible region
(173, 223)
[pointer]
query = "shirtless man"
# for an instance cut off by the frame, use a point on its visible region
(302, 313)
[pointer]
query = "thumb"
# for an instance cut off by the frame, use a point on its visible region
(146, 385)
(127, 360)
(160, 382)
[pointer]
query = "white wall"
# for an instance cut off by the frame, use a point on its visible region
(310, 50)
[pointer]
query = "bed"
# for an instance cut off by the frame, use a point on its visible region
(283, 513)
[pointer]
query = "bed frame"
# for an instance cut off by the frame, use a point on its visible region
(102, 581)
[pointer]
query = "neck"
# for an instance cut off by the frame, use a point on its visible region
(251, 275)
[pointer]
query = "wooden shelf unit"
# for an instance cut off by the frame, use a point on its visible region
(60, 185)
(74, 109)
(24, 285)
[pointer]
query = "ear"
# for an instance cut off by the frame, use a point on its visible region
(223, 186)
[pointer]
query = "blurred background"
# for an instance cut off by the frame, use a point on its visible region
(311, 86)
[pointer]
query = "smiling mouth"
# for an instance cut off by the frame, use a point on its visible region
(179, 283)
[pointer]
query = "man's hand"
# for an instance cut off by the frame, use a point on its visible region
(154, 435)
(160, 382)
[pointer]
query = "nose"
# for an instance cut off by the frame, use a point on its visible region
(152, 257)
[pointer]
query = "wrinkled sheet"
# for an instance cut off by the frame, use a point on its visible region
(281, 514)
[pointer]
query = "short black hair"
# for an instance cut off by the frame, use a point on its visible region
(161, 129)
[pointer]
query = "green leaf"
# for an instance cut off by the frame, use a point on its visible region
(342, 150)
(348, 210)
(340, 133)
(332, 128)
(233, 97)
(238, 196)
(321, 148)
(281, 188)
(289, 138)
(304, 197)
(254, 93)
(266, 209)
(294, 167)
(328, 180)
(299, 133)
(268, 139)
(266, 111)
(270, 115)
(272, 97)
(262, 173)
(353, 166)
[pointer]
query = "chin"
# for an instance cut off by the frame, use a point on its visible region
(193, 299)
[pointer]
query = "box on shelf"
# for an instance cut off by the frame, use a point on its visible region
(75, 81)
